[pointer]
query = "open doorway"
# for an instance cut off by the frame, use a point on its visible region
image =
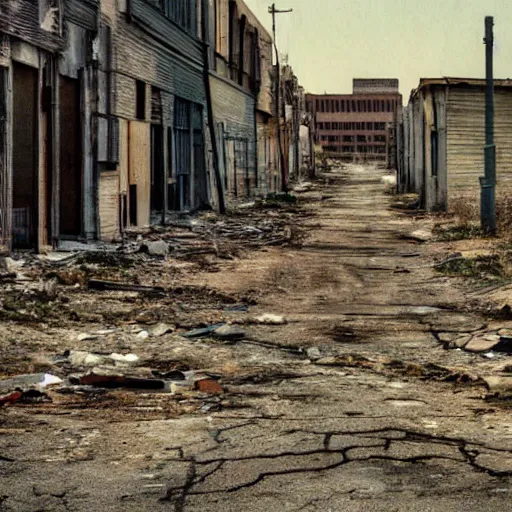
(70, 158)
(24, 156)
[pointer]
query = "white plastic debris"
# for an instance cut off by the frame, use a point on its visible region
(271, 319)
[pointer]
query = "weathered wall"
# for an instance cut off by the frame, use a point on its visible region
(466, 139)
(235, 109)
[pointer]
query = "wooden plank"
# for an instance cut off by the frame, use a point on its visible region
(109, 206)
(140, 168)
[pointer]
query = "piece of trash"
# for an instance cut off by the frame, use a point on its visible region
(30, 381)
(240, 308)
(112, 380)
(11, 398)
(271, 319)
(98, 284)
(490, 355)
(208, 385)
(128, 359)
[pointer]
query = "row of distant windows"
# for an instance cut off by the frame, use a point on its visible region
(373, 150)
(349, 105)
(351, 126)
(353, 138)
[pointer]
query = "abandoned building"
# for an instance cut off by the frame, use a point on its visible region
(240, 77)
(103, 114)
(360, 126)
(443, 140)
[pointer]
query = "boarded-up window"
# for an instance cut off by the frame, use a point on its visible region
(156, 105)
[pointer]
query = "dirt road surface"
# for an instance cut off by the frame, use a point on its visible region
(352, 405)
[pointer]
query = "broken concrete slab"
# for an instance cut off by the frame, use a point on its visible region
(482, 344)
(446, 337)
(462, 341)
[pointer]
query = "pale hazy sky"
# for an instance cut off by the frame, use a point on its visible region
(329, 42)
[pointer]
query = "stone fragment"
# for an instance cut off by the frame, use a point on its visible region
(143, 335)
(502, 385)
(181, 387)
(161, 329)
(229, 332)
(420, 235)
(271, 319)
(482, 344)
(313, 353)
(84, 336)
(462, 341)
(128, 359)
(81, 358)
(446, 337)
(158, 248)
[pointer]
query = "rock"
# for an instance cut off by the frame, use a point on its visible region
(271, 319)
(80, 358)
(128, 359)
(143, 335)
(420, 235)
(462, 341)
(313, 353)
(181, 387)
(161, 329)
(104, 332)
(158, 248)
(446, 337)
(502, 385)
(86, 337)
(482, 344)
(229, 332)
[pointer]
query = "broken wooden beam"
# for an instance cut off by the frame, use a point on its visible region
(98, 284)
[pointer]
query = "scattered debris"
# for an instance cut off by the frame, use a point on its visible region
(313, 353)
(500, 386)
(158, 248)
(143, 335)
(420, 235)
(96, 284)
(86, 337)
(202, 332)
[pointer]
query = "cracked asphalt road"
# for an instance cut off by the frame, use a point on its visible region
(343, 434)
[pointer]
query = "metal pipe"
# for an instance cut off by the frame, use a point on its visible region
(488, 182)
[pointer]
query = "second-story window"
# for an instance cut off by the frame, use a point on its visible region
(182, 12)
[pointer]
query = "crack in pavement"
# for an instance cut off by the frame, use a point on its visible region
(385, 438)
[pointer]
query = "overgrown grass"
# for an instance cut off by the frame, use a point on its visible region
(482, 268)
(457, 232)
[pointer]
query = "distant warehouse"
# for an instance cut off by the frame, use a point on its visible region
(443, 137)
(359, 127)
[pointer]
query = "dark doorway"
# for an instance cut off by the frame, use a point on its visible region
(70, 158)
(157, 168)
(24, 156)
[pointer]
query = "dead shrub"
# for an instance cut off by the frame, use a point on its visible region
(465, 210)
(504, 217)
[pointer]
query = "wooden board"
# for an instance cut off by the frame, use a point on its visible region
(109, 206)
(139, 141)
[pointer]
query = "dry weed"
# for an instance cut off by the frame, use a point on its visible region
(465, 210)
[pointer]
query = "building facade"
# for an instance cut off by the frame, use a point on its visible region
(443, 138)
(359, 126)
(105, 108)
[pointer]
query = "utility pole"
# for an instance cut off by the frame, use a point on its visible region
(488, 182)
(272, 10)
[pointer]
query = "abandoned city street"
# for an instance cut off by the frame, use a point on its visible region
(351, 394)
